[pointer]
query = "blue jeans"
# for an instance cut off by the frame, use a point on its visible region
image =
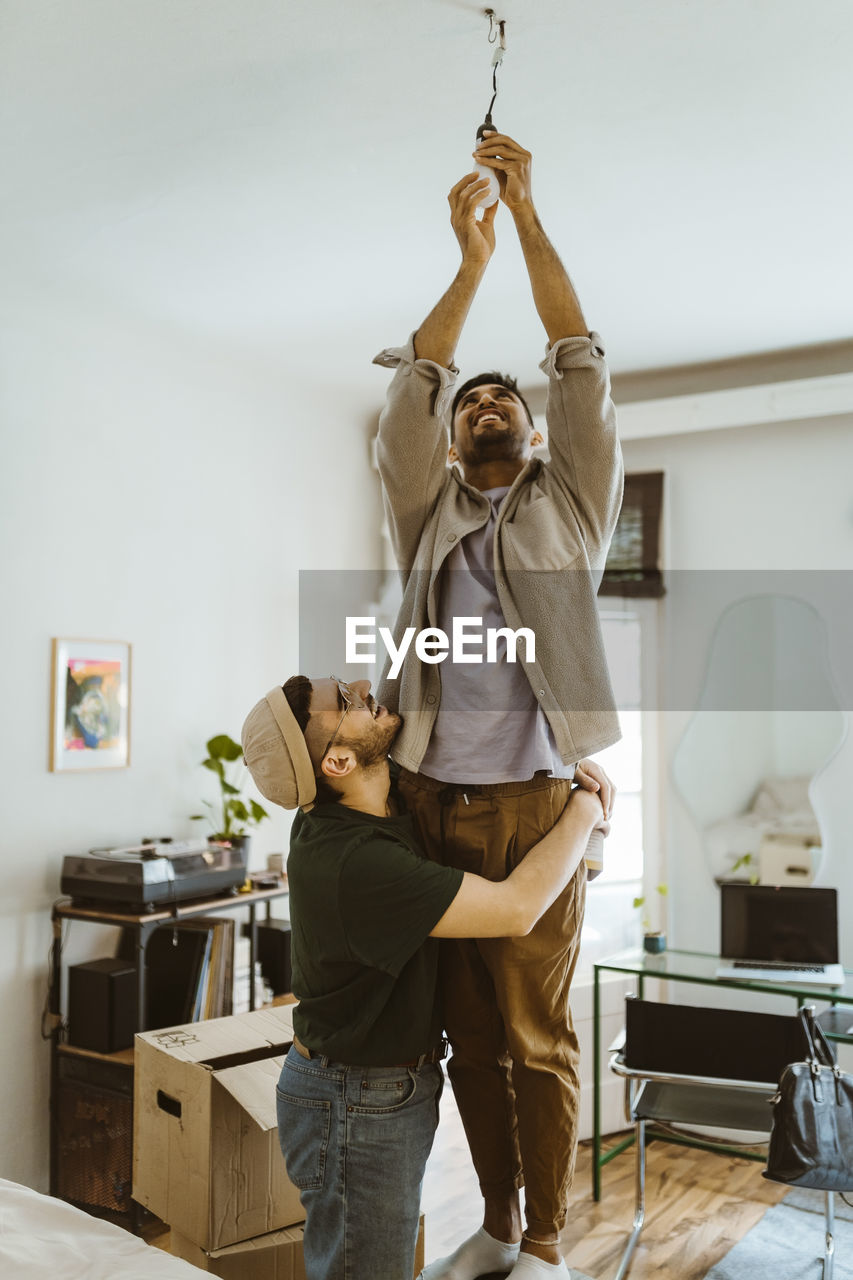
(355, 1141)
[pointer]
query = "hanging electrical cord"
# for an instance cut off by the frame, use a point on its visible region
(497, 37)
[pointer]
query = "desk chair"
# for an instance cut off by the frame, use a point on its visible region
(714, 1068)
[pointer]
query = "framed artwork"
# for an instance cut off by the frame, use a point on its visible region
(90, 705)
(633, 561)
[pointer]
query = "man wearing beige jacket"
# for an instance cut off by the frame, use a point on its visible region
(488, 750)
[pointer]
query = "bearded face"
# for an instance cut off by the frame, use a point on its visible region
(375, 742)
(491, 423)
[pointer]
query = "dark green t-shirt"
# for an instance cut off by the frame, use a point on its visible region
(363, 900)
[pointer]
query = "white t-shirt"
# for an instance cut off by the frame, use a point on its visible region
(489, 727)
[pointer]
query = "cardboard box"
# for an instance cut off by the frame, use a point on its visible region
(277, 1256)
(206, 1157)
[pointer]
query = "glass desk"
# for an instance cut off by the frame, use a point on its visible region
(699, 968)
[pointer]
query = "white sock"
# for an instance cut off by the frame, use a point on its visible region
(529, 1265)
(477, 1256)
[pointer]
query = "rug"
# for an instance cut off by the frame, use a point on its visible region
(787, 1244)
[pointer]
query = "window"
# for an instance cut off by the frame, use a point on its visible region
(632, 865)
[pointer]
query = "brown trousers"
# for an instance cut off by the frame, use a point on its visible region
(515, 1058)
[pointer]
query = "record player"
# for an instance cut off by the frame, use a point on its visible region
(152, 874)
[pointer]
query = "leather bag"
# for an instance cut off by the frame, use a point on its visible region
(811, 1143)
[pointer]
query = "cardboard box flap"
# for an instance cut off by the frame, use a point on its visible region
(252, 1085)
(275, 1022)
(272, 1240)
(220, 1039)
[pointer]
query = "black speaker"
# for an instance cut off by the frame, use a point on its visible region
(102, 1005)
(274, 954)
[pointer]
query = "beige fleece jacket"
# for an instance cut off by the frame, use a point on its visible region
(551, 539)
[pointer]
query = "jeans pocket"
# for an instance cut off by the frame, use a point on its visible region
(304, 1126)
(381, 1097)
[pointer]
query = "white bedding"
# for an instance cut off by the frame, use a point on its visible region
(46, 1239)
(780, 808)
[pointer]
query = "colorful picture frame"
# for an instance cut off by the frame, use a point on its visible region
(90, 705)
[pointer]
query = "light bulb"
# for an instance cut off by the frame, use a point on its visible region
(483, 170)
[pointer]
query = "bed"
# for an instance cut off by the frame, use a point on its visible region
(42, 1238)
(780, 819)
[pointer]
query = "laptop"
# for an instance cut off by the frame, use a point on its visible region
(779, 934)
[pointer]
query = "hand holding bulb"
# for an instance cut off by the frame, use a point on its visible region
(503, 157)
(483, 171)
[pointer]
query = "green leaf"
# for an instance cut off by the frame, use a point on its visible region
(221, 747)
(258, 811)
(238, 810)
(229, 790)
(215, 766)
(663, 890)
(745, 860)
(638, 902)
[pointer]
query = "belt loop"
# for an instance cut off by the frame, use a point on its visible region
(324, 1062)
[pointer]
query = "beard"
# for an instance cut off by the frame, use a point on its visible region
(372, 749)
(493, 443)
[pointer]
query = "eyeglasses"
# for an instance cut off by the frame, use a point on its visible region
(348, 698)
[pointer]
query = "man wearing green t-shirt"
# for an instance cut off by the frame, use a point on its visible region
(358, 1094)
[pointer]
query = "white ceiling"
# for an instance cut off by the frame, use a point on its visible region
(273, 173)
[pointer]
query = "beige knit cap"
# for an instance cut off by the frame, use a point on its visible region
(276, 754)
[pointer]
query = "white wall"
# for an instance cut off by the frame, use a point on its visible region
(749, 502)
(763, 498)
(162, 490)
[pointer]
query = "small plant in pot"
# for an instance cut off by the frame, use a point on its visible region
(654, 940)
(233, 816)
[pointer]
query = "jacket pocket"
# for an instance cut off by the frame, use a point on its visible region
(542, 535)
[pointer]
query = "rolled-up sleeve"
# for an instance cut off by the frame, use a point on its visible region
(585, 456)
(412, 443)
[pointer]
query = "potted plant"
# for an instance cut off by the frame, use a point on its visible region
(233, 817)
(654, 940)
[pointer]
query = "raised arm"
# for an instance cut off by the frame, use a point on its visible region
(437, 337)
(583, 446)
(555, 299)
(412, 443)
(510, 908)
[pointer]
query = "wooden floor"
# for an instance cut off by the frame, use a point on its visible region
(698, 1205)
